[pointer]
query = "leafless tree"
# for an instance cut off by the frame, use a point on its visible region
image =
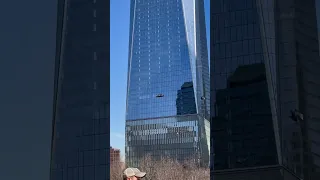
(116, 171)
(170, 169)
(164, 168)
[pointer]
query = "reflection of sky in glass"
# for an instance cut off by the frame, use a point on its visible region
(162, 86)
(188, 12)
(159, 61)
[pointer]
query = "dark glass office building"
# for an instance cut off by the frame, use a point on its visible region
(168, 82)
(265, 66)
(80, 139)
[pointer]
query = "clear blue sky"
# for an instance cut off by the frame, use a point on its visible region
(119, 33)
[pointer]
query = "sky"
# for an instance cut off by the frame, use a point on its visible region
(119, 43)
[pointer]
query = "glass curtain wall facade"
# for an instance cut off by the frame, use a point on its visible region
(243, 127)
(281, 35)
(240, 106)
(80, 139)
(168, 81)
(298, 75)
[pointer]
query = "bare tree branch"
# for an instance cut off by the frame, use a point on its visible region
(116, 171)
(165, 168)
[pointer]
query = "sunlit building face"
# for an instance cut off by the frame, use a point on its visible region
(168, 81)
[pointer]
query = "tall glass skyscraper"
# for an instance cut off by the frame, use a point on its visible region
(264, 66)
(168, 81)
(80, 139)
